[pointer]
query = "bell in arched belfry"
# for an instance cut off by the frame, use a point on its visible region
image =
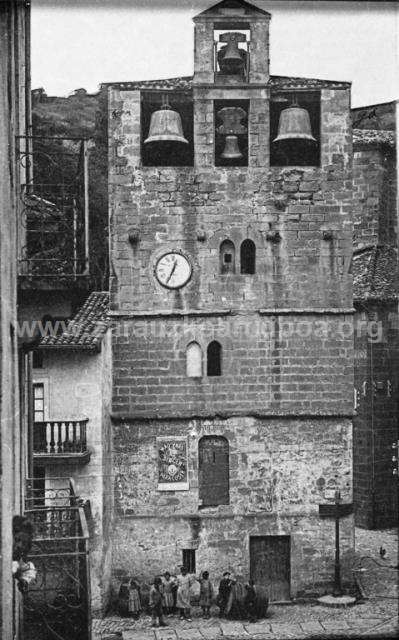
(231, 58)
(294, 124)
(166, 125)
(231, 150)
(231, 118)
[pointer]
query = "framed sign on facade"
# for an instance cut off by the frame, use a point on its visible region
(172, 463)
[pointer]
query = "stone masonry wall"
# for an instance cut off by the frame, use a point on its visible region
(270, 364)
(170, 206)
(279, 470)
(362, 465)
(310, 208)
(375, 423)
(374, 178)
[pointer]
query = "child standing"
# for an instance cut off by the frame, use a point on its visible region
(168, 592)
(156, 604)
(184, 582)
(250, 601)
(224, 593)
(134, 603)
(206, 594)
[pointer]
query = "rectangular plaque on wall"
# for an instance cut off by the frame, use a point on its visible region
(172, 463)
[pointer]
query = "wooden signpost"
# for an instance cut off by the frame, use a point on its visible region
(336, 510)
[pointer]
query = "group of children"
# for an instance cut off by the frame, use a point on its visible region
(169, 594)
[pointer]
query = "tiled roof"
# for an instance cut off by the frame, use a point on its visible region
(186, 83)
(375, 273)
(233, 4)
(373, 137)
(86, 330)
(288, 82)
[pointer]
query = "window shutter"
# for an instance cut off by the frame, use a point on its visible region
(213, 471)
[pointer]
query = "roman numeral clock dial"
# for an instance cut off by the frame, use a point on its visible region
(173, 270)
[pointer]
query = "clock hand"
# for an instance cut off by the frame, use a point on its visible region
(172, 271)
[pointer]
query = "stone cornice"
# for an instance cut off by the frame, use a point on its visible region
(177, 313)
(221, 415)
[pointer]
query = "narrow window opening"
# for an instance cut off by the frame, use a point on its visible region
(38, 402)
(194, 360)
(227, 257)
(248, 257)
(189, 560)
(37, 362)
(214, 359)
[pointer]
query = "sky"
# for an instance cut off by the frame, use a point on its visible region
(81, 43)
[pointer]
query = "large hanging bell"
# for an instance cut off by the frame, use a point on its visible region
(294, 124)
(231, 118)
(166, 126)
(231, 58)
(231, 150)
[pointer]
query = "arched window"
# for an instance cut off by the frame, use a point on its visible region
(214, 359)
(213, 471)
(248, 256)
(194, 360)
(227, 257)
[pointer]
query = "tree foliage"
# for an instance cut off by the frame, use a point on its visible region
(78, 116)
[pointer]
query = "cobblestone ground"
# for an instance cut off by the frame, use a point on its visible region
(376, 617)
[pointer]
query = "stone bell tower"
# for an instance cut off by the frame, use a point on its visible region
(232, 385)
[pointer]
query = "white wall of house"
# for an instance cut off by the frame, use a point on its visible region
(77, 385)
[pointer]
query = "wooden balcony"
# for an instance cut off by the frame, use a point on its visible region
(60, 441)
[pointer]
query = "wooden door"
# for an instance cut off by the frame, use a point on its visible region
(270, 564)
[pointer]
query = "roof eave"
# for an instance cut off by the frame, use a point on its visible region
(71, 347)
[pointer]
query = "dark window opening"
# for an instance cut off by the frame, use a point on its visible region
(213, 471)
(214, 359)
(172, 127)
(37, 361)
(227, 257)
(38, 402)
(294, 121)
(231, 133)
(189, 560)
(248, 257)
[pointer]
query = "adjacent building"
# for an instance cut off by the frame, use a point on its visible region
(14, 122)
(375, 274)
(72, 392)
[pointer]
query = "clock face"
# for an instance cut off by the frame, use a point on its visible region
(173, 270)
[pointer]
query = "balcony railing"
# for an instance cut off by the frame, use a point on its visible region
(60, 439)
(54, 207)
(57, 604)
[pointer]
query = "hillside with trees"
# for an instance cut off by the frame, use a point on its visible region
(77, 116)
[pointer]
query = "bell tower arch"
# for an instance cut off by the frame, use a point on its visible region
(232, 44)
(230, 86)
